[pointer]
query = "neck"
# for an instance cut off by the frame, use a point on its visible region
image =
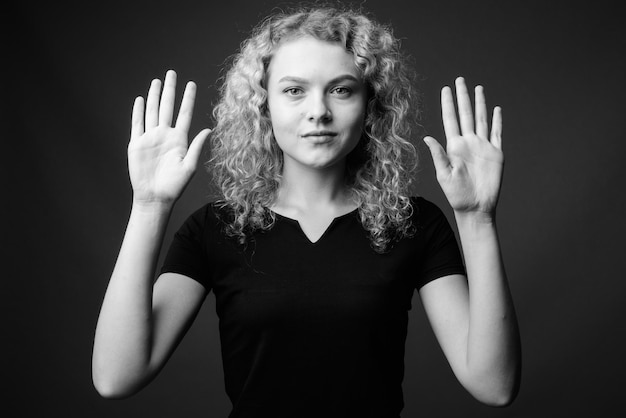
(305, 188)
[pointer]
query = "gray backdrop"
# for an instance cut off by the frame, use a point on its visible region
(557, 69)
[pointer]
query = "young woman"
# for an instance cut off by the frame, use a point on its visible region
(315, 248)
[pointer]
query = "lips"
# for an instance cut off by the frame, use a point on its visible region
(320, 134)
(319, 137)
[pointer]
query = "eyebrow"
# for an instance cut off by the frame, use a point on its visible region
(300, 80)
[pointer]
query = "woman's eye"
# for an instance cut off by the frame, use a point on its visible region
(341, 91)
(293, 91)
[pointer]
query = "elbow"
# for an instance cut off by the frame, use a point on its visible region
(111, 385)
(109, 392)
(498, 392)
(498, 399)
(116, 377)
(110, 389)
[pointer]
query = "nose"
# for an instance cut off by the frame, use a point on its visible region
(318, 109)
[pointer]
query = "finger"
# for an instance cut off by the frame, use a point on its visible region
(152, 104)
(166, 108)
(440, 158)
(195, 148)
(448, 113)
(186, 107)
(466, 117)
(482, 123)
(496, 127)
(136, 122)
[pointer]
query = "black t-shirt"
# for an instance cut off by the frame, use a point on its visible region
(313, 329)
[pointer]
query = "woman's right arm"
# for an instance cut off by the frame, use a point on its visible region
(140, 324)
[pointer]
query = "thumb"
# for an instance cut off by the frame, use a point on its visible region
(440, 158)
(195, 148)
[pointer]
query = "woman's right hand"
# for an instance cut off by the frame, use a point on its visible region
(160, 160)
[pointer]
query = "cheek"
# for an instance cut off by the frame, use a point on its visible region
(280, 126)
(280, 117)
(358, 121)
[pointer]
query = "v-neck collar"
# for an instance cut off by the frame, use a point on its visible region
(327, 230)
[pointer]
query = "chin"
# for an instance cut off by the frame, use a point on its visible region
(318, 165)
(323, 163)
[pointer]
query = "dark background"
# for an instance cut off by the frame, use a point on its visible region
(557, 69)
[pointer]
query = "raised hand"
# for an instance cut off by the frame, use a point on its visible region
(160, 160)
(469, 170)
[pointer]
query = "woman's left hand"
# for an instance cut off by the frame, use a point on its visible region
(469, 170)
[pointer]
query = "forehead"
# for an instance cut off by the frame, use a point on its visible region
(312, 59)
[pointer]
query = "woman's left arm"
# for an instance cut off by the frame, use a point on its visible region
(474, 319)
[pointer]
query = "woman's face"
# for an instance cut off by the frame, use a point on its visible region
(316, 101)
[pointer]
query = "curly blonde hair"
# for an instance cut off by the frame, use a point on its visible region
(246, 162)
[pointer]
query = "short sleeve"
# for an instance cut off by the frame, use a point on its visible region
(442, 254)
(187, 254)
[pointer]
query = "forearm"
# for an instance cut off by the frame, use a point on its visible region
(122, 346)
(493, 343)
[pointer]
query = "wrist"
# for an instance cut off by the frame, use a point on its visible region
(152, 207)
(475, 218)
(476, 228)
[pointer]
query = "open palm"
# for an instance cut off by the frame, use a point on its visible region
(160, 160)
(469, 170)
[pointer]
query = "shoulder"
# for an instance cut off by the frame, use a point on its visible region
(420, 202)
(211, 212)
(425, 211)
(212, 215)
(429, 220)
